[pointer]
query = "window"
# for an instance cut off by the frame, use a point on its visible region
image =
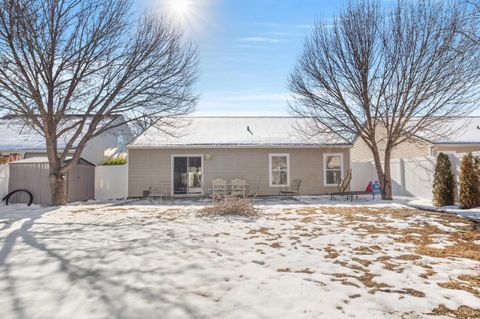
(279, 170)
(333, 168)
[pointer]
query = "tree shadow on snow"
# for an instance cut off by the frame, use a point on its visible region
(96, 270)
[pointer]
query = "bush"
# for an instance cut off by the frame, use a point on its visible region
(469, 180)
(114, 161)
(443, 182)
(231, 206)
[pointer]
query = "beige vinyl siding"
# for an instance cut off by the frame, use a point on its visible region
(361, 153)
(152, 168)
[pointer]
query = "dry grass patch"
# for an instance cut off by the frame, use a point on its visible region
(408, 257)
(462, 312)
(331, 253)
(362, 262)
(465, 283)
(303, 271)
(461, 249)
(428, 273)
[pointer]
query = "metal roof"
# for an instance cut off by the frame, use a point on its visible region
(16, 135)
(463, 130)
(216, 131)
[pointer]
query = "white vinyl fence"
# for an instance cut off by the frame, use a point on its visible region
(410, 177)
(111, 182)
(3, 180)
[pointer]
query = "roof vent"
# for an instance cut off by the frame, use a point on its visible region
(248, 130)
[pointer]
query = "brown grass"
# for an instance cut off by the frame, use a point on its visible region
(457, 285)
(331, 253)
(408, 257)
(462, 312)
(303, 271)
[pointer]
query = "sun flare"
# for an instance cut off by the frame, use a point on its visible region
(179, 9)
(192, 15)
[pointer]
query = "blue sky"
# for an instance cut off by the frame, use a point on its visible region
(247, 49)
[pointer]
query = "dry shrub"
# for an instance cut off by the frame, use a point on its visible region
(231, 206)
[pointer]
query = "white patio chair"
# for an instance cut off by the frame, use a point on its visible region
(219, 188)
(239, 187)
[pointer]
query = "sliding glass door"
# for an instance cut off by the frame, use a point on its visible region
(187, 175)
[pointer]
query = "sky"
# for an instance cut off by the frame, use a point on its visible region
(247, 48)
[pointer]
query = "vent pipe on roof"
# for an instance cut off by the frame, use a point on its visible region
(248, 130)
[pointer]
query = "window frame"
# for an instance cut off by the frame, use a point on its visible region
(342, 166)
(270, 156)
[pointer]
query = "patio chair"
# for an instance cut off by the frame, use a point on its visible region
(239, 187)
(155, 193)
(294, 188)
(219, 188)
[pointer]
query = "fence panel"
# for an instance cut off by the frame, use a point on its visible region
(111, 182)
(410, 177)
(419, 177)
(362, 173)
(4, 173)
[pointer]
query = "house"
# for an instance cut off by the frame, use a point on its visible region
(20, 141)
(463, 137)
(267, 152)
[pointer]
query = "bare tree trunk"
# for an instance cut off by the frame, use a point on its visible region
(386, 181)
(57, 187)
(56, 178)
(383, 176)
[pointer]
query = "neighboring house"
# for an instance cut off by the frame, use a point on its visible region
(464, 137)
(268, 152)
(20, 141)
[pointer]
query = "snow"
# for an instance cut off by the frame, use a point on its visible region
(17, 136)
(466, 131)
(458, 130)
(142, 259)
(473, 213)
(236, 131)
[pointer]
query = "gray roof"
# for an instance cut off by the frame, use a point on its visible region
(463, 130)
(18, 136)
(44, 160)
(238, 132)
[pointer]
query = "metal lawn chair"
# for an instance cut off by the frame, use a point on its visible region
(293, 190)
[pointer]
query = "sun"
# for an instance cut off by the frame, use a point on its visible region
(180, 9)
(192, 15)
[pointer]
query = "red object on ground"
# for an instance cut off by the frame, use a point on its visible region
(369, 187)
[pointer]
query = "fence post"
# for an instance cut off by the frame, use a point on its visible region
(402, 177)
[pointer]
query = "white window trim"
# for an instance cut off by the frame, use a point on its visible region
(287, 155)
(325, 155)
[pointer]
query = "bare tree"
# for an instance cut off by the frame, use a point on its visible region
(388, 75)
(93, 59)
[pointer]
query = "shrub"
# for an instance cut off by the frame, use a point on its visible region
(114, 161)
(231, 206)
(469, 180)
(443, 182)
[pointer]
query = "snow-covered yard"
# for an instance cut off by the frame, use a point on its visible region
(136, 260)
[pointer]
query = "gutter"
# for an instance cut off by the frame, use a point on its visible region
(242, 146)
